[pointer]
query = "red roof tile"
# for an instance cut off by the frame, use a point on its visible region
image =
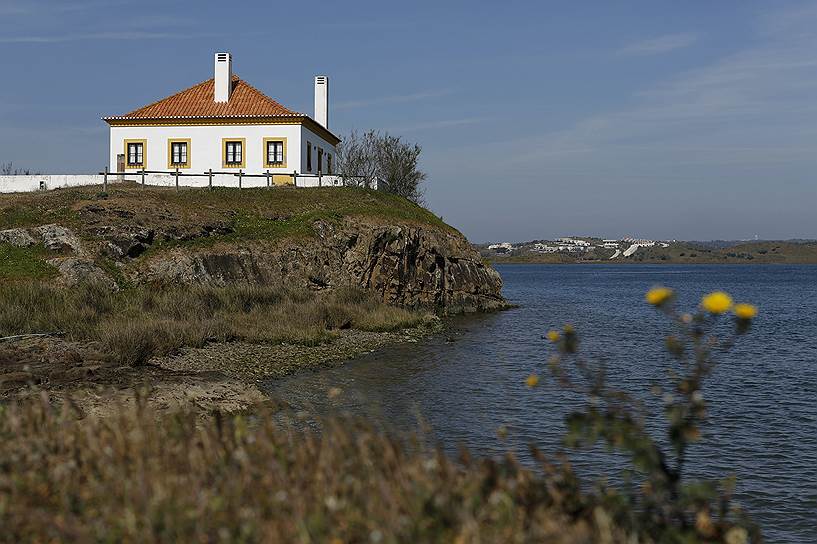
(197, 101)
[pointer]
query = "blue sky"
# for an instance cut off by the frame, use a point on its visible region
(661, 119)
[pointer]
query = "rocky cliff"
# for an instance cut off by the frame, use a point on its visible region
(129, 239)
(409, 266)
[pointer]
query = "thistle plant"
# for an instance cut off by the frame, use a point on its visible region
(665, 506)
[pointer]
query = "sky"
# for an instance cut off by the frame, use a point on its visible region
(690, 120)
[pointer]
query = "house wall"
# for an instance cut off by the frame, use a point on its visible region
(205, 151)
(310, 138)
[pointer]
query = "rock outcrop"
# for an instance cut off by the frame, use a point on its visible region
(414, 266)
(17, 238)
(58, 238)
(411, 266)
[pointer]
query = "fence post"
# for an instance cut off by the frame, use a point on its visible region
(177, 179)
(294, 178)
(105, 181)
(268, 183)
(210, 179)
(143, 176)
(320, 178)
(239, 177)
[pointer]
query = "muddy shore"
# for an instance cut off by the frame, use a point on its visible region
(218, 376)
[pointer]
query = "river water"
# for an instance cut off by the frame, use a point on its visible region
(469, 381)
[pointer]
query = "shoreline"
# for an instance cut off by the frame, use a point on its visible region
(658, 263)
(220, 376)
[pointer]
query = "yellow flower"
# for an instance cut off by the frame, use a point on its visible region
(532, 380)
(717, 302)
(553, 336)
(736, 535)
(658, 295)
(569, 329)
(745, 311)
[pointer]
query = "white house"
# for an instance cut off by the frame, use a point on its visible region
(225, 125)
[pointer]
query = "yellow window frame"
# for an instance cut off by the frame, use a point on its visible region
(170, 142)
(268, 164)
(142, 166)
(243, 163)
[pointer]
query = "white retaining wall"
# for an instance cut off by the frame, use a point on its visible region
(24, 184)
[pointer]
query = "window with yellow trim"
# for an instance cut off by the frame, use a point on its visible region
(136, 154)
(178, 153)
(275, 153)
(233, 152)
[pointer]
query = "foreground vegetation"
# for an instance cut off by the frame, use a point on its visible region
(142, 476)
(139, 477)
(141, 322)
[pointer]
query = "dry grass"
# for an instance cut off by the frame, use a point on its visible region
(141, 322)
(139, 478)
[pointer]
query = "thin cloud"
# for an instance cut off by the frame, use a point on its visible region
(657, 46)
(113, 36)
(443, 123)
(28, 7)
(398, 99)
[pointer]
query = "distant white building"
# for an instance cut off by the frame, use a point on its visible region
(574, 242)
(504, 246)
(225, 124)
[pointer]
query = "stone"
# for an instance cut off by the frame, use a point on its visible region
(17, 238)
(128, 241)
(58, 238)
(409, 266)
(74, 271)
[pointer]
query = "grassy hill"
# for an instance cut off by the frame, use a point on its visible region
(254, 213)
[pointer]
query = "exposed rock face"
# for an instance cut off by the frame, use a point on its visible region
(74, 271)
(17, 238)
(57, 238)
(411, 266)
(407, 265)
(125, 241)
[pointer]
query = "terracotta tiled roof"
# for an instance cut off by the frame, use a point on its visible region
(197, 101)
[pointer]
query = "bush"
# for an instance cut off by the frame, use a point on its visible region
(665, 507)
(138, 323)
(142, 477)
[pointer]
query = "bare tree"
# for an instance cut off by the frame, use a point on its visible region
(8, 169)
(374, 157)
(398, 168)
(357, 158)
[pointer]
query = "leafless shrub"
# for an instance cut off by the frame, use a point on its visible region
(8, 169)
(388, 160)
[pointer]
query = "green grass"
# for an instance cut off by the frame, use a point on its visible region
(138, 323)
(296, 205)
(17, 263)
(27, 214)
(143, 477)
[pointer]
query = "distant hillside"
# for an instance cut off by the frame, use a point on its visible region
(780, 252)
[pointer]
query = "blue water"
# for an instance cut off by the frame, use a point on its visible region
(468, 382)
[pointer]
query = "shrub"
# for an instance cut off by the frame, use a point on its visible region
(138, 323)
(665, 507)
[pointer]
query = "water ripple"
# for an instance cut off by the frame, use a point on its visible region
(469, 382)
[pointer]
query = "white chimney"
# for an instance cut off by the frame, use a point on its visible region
(322, 100)
(223, 77)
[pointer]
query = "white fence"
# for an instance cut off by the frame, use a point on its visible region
(240, 180)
